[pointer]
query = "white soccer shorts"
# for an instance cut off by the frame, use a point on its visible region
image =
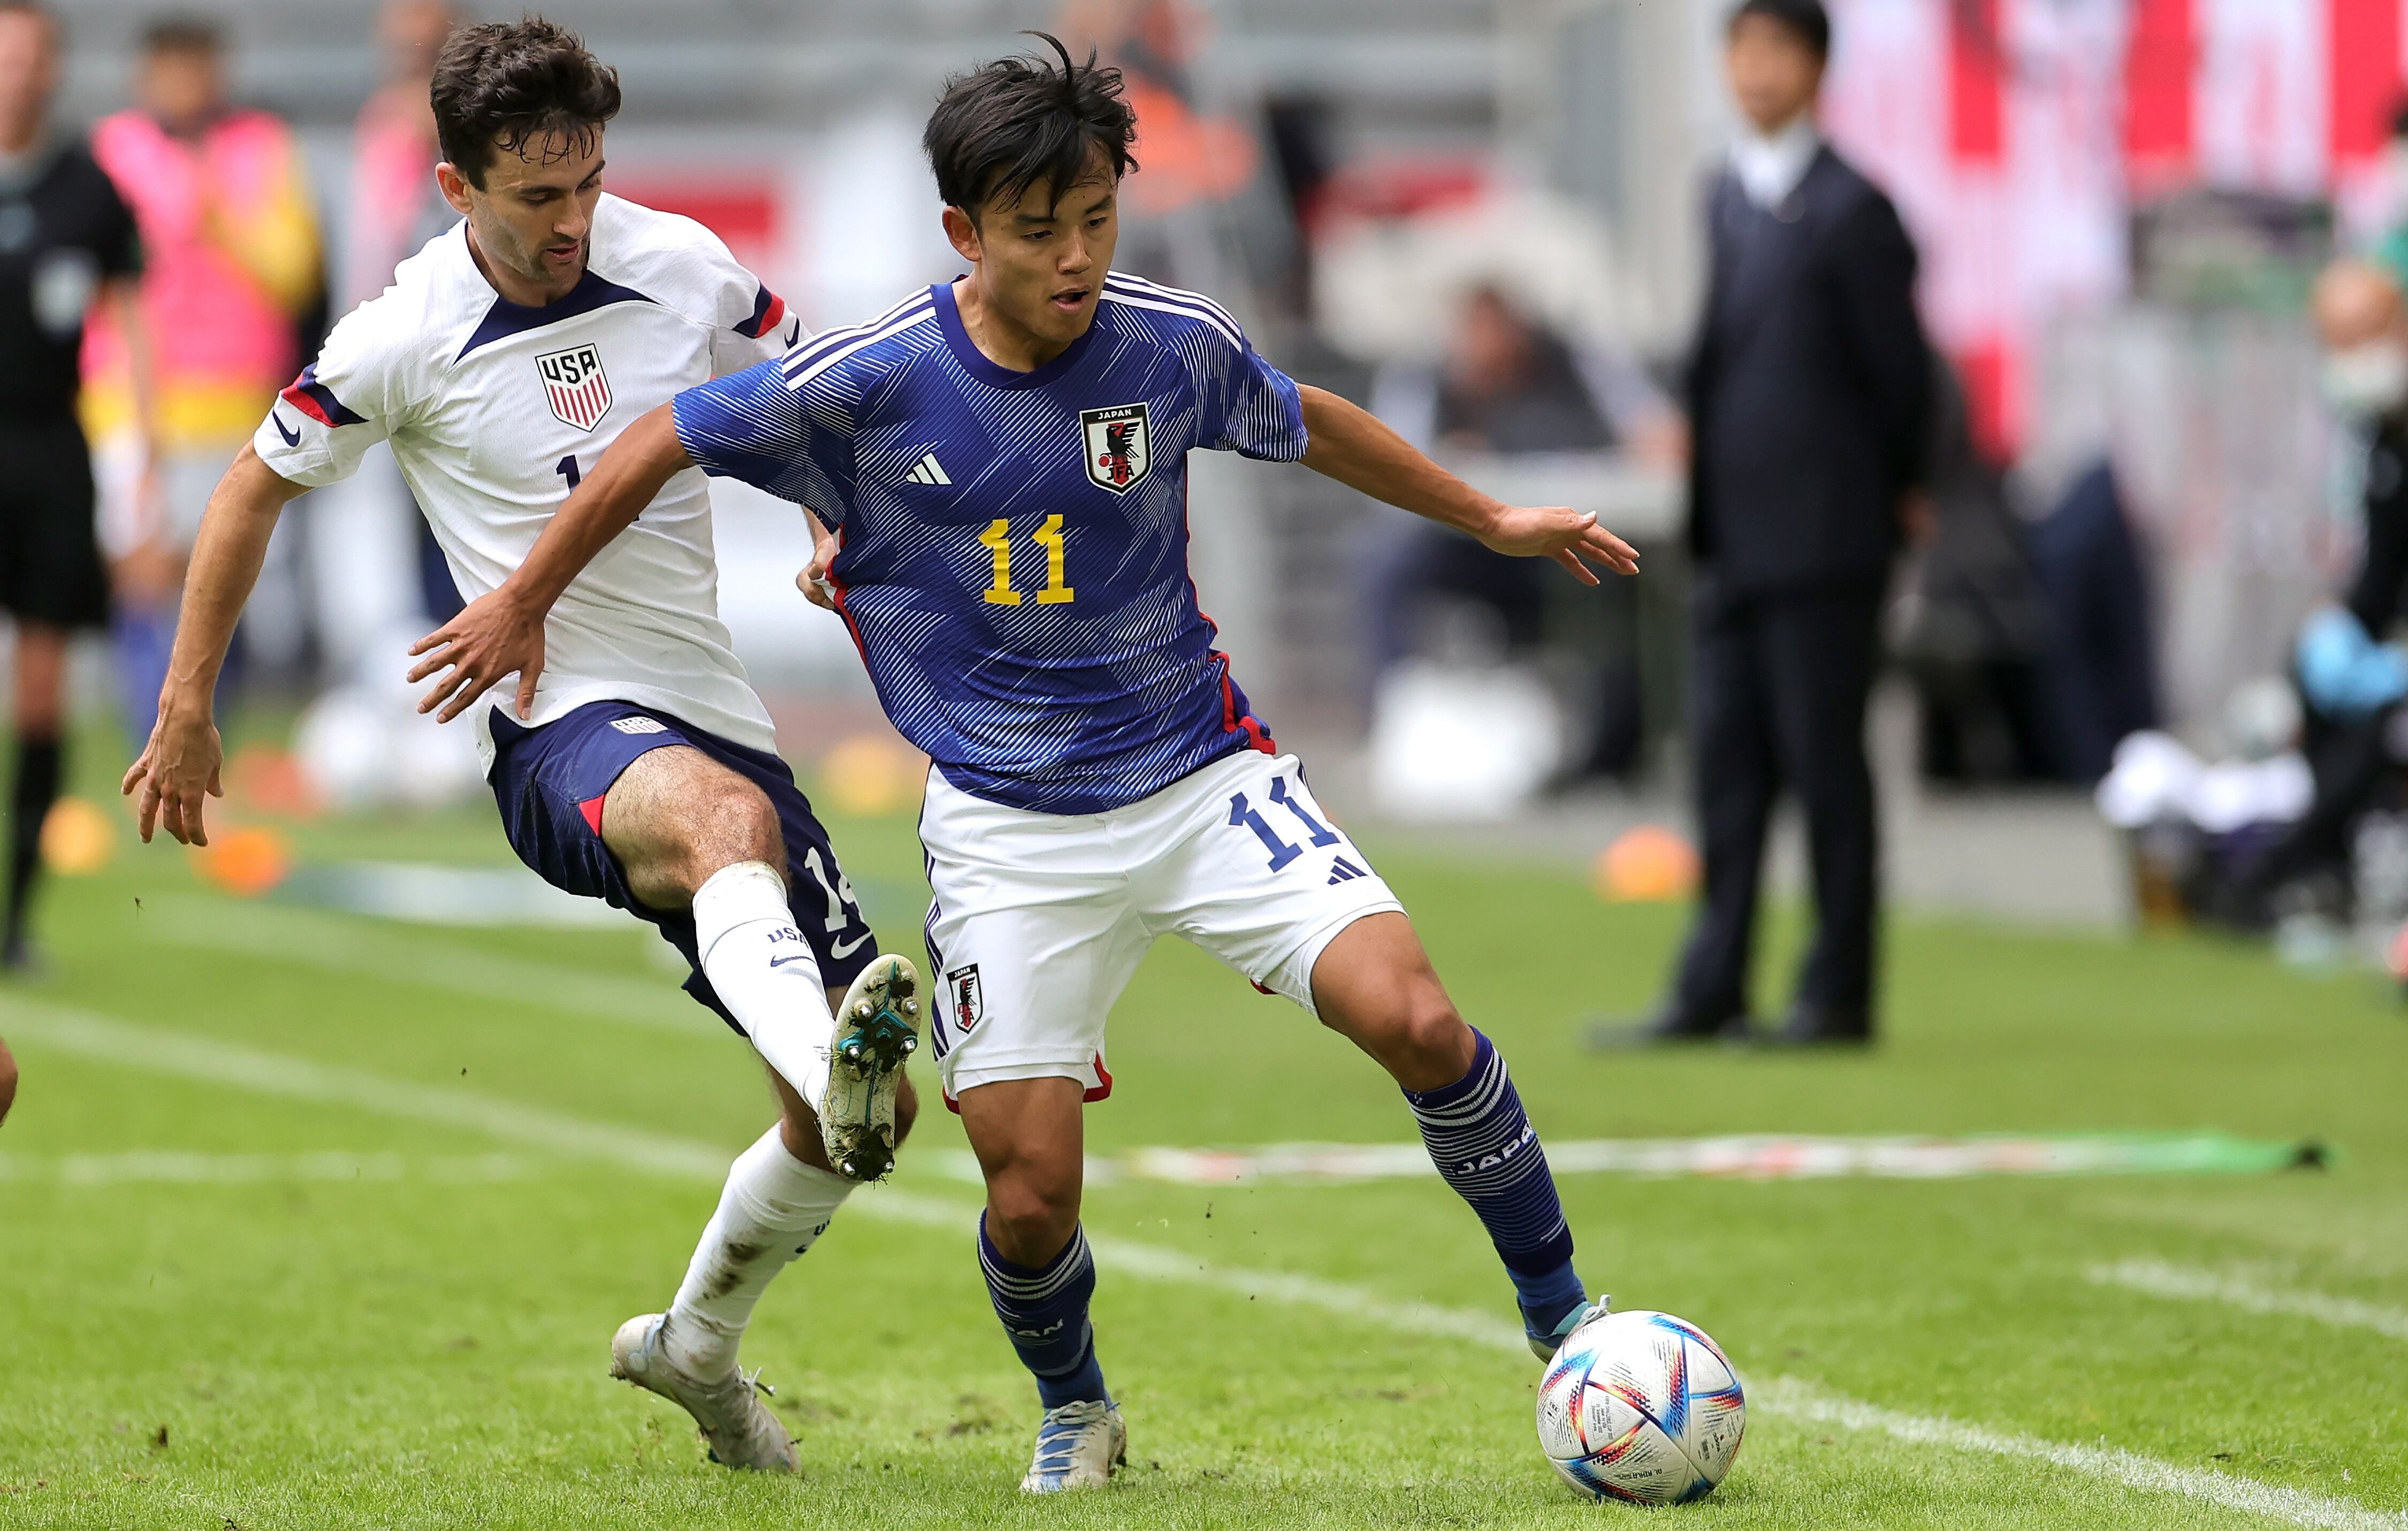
(1040, 919)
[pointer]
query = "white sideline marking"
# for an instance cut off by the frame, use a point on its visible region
(224, 1063)
(1804, 1400)
(173, 1168)
(2160, 1279)
(229, 1063)
(347, 944)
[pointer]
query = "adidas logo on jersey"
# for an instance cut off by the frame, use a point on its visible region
(928, 470)
(1343, 870)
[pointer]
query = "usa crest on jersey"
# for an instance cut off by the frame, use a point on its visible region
(575, 385)
(1118, 448)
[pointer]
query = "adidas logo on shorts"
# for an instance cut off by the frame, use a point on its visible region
(639, 726)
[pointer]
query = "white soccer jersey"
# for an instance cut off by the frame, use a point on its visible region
(495, 411)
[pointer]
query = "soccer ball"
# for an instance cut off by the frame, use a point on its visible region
(1640, 1407)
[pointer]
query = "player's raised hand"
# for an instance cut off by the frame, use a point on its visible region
(177, 770)
(814, 581)
(1569, 537)
(494, 636)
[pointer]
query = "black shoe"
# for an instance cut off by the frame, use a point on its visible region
(1814, 1025)
(1668, 1027)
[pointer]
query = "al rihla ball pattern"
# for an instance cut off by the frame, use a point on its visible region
(1642, 1406)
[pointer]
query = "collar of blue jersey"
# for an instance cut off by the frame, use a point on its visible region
(986, 370)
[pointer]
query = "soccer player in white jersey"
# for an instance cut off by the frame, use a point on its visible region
(1004, 458)
(639, 767)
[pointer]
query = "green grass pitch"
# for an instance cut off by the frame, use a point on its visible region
(365, 1314)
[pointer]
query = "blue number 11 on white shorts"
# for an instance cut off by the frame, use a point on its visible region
(1040, 919)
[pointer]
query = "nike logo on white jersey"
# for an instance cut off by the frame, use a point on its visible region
(928, 471)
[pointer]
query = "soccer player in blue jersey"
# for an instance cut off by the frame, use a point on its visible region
(1003, 460)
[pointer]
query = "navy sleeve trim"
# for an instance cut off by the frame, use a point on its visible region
(316, 400)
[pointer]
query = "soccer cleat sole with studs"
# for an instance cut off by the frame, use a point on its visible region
(877, 1029)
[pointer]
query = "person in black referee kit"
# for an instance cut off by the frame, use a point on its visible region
(66, 241)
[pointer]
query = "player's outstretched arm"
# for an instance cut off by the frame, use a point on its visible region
(501, 633)
(1349, 444)
(178, 766)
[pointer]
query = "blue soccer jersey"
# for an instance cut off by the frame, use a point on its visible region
(1014, 558)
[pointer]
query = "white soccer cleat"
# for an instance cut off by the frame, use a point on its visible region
(877, 1028)
(1077, 1446)
(735, 1423)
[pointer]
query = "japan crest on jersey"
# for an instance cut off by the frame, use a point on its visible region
(1118, 449)
(575, 385)
(969, 997)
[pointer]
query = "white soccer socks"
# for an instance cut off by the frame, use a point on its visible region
(773, 1208)
(764, 972)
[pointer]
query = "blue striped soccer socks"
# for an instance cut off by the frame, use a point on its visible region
(1044, 1311)
(1485, 1146)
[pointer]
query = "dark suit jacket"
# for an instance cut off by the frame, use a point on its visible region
(1809, 386)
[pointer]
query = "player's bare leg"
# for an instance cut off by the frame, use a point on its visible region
(1374, 984)
(689, 832)
(1030, 1140)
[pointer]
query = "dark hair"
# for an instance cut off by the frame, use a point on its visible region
(502, 85)
(182, 34)
(1018, 121)
(1806, 18)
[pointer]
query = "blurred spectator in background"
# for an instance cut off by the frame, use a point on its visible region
(1508, 385)
(1809, 397)
(2028, 643)
(1973, 623)
(1190, 159)
(396, 209)
(2099, 669)
(66, 241)
(232, 263)
(2352, 682)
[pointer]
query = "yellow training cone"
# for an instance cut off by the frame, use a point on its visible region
(77, 837)
(1646, 865)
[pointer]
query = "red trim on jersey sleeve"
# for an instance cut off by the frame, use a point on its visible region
(316, 400)
(767, 309)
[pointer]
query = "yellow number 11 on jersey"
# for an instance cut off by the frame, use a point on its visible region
(996, 539)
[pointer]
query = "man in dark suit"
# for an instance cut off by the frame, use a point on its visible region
(1808, 396)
